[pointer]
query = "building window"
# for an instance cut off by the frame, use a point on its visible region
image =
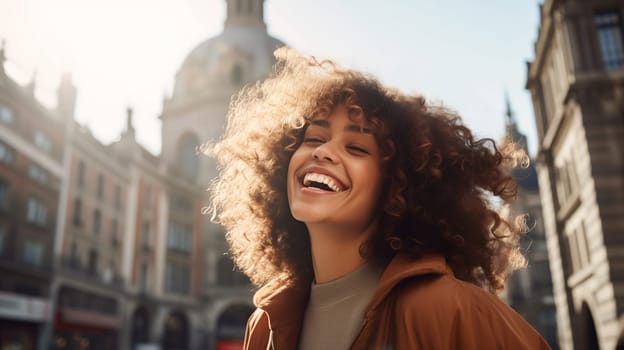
(6, 114)
(114, 232)
(81, 173)
(567, 182)
(77, 217)
(177, 277)
(33, 253)
(143, 276)
(147, 234)
(93, 261)
(100, 186)
(36, 212)
(113, 268)
(236, 75)
(4, 196)
(97, 221)
(578, 248)
(609, 28)
(42, 141)
(38, 174)
(74, 259)
(179, 237)
(117, 197)
(6, 154)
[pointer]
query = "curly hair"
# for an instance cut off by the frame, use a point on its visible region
(441, 191)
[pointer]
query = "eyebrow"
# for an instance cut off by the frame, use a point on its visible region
(323, 123)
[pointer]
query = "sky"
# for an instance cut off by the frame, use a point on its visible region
(121, 53)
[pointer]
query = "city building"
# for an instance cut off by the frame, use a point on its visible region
(529, 290)
(194, 114)
(88, 291)
(106, 246)
(31, 157)
(576, 81)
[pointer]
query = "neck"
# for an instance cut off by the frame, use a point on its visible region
(336, 251)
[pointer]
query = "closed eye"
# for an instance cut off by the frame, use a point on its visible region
(358, 149)
(314, 140)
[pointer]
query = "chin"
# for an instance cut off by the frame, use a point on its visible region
(308, 216)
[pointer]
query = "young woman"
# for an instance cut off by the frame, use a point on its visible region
(365, 216)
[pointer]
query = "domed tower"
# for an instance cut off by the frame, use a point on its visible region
(204, 84)
(194, 114)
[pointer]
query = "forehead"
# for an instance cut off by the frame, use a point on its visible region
(358, 121)
(359, 127)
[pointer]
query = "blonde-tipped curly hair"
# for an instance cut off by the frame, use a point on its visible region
(440, 180)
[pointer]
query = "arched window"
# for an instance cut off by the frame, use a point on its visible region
(188, 158)
(176, 332)
(140, 326)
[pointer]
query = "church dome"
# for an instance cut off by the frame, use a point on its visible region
(242, 53)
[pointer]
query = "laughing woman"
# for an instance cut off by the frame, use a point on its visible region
(365, 217)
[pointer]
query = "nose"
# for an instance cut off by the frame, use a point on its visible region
(324, 153)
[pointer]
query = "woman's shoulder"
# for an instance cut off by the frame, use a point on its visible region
(447, 293)
(448, 306)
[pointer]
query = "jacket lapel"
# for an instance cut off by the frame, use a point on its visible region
(377, 332)
(284, 305)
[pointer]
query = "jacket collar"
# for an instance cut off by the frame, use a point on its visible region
(403, 267)
(285, 304)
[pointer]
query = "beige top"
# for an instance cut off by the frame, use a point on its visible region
(335, 312)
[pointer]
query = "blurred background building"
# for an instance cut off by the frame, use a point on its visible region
(31, 172)
(529, 291)
(576, 81)
(105, 246)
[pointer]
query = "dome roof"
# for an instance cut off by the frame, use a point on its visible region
(239, 55)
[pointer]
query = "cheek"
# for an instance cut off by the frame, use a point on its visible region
(376, 178)
(293, 164)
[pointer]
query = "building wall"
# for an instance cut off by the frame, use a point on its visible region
(576, 91)
(31, 145)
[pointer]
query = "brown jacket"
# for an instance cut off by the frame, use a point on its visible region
(419, 304)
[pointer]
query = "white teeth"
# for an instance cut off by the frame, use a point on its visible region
(320, 178)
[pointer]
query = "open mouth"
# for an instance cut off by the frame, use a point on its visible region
(322, 182)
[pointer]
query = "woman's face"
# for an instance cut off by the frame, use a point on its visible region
(334, 177)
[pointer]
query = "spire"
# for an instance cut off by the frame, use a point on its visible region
(245, 13)
(511, 127)
(66, 97)
(129, 122)
(129, 126)
(510, 120)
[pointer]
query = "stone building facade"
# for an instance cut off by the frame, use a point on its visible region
(576, 81)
